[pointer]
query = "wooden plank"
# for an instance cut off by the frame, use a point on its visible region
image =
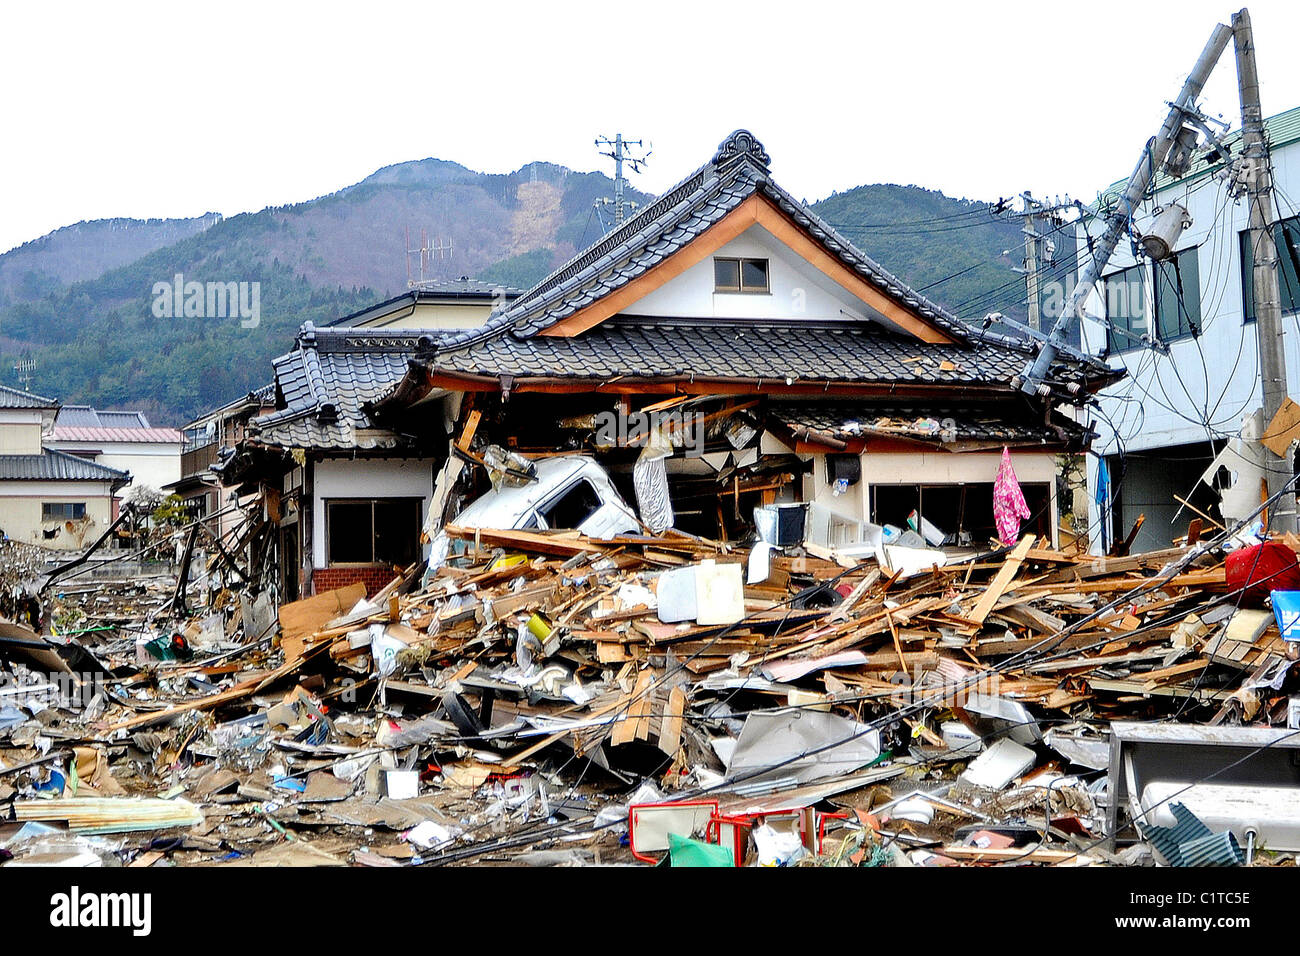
(553, 544)
(670, 736)
(1283, 429)
(300, 620)
(1174, 674)
(1001, 581)
(467, 433)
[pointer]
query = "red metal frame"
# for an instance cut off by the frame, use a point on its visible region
(631, 820)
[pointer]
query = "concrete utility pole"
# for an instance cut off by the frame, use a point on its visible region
(1267, 295)
(1031, 259)
(621, 155)
(1153, 157)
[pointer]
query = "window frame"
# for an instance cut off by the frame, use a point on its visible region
(1130, 341)
(741, 288)
(328, 504)
(1172, 272)
(1288, 293)
(71, 515)
(543, 510)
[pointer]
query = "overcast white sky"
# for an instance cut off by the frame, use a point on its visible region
(166, 110)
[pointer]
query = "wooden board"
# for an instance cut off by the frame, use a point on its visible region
(1283, 429)
(300, 620)
(1001, 581)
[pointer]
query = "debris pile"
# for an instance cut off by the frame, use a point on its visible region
(550, 698)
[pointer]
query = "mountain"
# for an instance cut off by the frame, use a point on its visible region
(85, 250)
(80, 301)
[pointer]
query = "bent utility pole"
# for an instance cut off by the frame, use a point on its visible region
(1153, 157)
(1267, 295)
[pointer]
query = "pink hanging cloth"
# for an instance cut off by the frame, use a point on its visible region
(1009, 508)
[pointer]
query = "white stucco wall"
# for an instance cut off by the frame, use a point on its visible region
(365, 478)
(20, 511)
(798, 290)
(20, 431)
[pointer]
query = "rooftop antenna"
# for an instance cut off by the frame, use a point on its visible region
(619, 152)
(428, 250)
(24, 367)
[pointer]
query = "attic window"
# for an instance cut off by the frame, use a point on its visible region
(740, 275)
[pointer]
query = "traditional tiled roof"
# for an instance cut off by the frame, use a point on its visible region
(323, 383)
(83, 416)
(850, 352)
(57, 466)
(738, 171)
(16, 398)
(168, 436)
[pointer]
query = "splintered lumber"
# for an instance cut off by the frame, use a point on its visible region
(636, 721)
(1001, 581)
(670, 733)
(547, 741)
(241, 690)
(110, 814)
(1174, 674)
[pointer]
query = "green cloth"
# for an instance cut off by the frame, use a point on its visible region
(687, 852)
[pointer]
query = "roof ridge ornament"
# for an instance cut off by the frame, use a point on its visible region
(741, 145)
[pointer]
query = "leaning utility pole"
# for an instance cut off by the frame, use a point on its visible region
(1268, 300)
(1032, 379)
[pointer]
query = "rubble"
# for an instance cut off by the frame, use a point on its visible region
(551, 698)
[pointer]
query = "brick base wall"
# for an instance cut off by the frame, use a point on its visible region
(328, 579)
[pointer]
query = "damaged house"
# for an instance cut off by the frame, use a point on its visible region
(722, 353)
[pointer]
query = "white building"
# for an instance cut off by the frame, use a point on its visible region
(121, 440)
(49, 497)
(1184, 331)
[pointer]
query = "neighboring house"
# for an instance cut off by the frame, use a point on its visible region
(121, 440)
(353, 495)
(809, 373)
(49, 497)
(438, 304)
(204, 439)
(1184, 331)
